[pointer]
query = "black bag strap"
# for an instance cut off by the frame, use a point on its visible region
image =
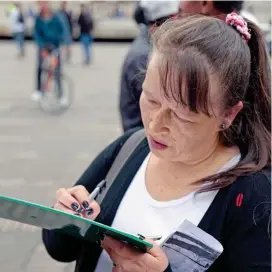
(125, 152)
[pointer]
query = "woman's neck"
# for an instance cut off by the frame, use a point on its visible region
(192, 171)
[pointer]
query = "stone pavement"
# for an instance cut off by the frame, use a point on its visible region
(40, 153)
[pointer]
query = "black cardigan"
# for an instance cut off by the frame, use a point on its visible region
(242, 227)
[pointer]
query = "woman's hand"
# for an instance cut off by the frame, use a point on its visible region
(75, 200)
(128, 259)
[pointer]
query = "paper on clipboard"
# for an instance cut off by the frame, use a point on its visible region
(190, 249)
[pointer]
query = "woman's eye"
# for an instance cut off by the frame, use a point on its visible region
(180, 118)
(153, 102)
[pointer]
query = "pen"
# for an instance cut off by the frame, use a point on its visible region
(94, 194)
(98, 189)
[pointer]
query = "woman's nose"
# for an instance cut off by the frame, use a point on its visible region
(160, 121)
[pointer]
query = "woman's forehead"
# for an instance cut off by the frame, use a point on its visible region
(176, 92)
(152, 77)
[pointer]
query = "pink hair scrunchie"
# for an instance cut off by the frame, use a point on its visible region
(240, 24)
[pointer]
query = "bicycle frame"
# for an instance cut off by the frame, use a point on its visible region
(56, 87)
(49, 64)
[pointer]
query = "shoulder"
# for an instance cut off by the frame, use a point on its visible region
(38, 19)
(57, 18)
(140, 47)
(249, 201)
(100, 166)
(136, 59)
(254, 187)
(113, 149)
(242, 224)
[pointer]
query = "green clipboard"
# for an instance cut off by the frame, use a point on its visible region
(51, 219)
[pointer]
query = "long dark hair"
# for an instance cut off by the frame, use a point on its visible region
(195, 46)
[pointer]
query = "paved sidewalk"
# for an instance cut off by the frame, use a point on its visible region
(40, 153)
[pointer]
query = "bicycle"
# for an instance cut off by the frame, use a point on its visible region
(57, 88)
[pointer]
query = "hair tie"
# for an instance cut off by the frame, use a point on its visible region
(237, 21)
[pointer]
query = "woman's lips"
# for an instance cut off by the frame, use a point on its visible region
(157, 144)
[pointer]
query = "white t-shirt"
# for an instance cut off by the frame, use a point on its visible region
(139, 213)
(16, 26)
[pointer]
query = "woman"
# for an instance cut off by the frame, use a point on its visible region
(207, 116)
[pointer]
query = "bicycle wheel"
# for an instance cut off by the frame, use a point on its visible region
(53, 100)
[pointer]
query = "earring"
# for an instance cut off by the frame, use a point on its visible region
(223, 126)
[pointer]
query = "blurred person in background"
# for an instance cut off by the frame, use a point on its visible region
(18, 28)
(31, 13)
(149, 13)
(118, 11)
(86, 25)
(48, 33)
(218, 9)
(136, 61)
(138, 15)
(67, 21)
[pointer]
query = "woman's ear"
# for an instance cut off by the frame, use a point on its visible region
(231, 113)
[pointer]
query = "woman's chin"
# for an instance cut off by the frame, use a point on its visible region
(168, 155)
(162, 154)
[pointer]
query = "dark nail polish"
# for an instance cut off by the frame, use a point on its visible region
(89, 212)
(75, 206)
(100, 239)
(78, 214)
(85, 204)
(101, 236)
(80, 210)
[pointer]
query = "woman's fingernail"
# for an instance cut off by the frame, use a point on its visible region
(78, 214)
(89, 212)
(100, 240)
(80, 210)
(85, 204)
(75, 206)
(102, 236)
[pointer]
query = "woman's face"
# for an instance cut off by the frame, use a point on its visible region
(174, 132)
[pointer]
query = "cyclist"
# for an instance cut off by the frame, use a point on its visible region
(48, 34)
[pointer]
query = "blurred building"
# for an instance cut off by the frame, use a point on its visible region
(116, 27)
(106, 25)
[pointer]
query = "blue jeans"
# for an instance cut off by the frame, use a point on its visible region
(86, 41)
(19, 38)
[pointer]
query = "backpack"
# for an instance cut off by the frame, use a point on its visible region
(89, 21)
(125, 152)
(21, 18)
